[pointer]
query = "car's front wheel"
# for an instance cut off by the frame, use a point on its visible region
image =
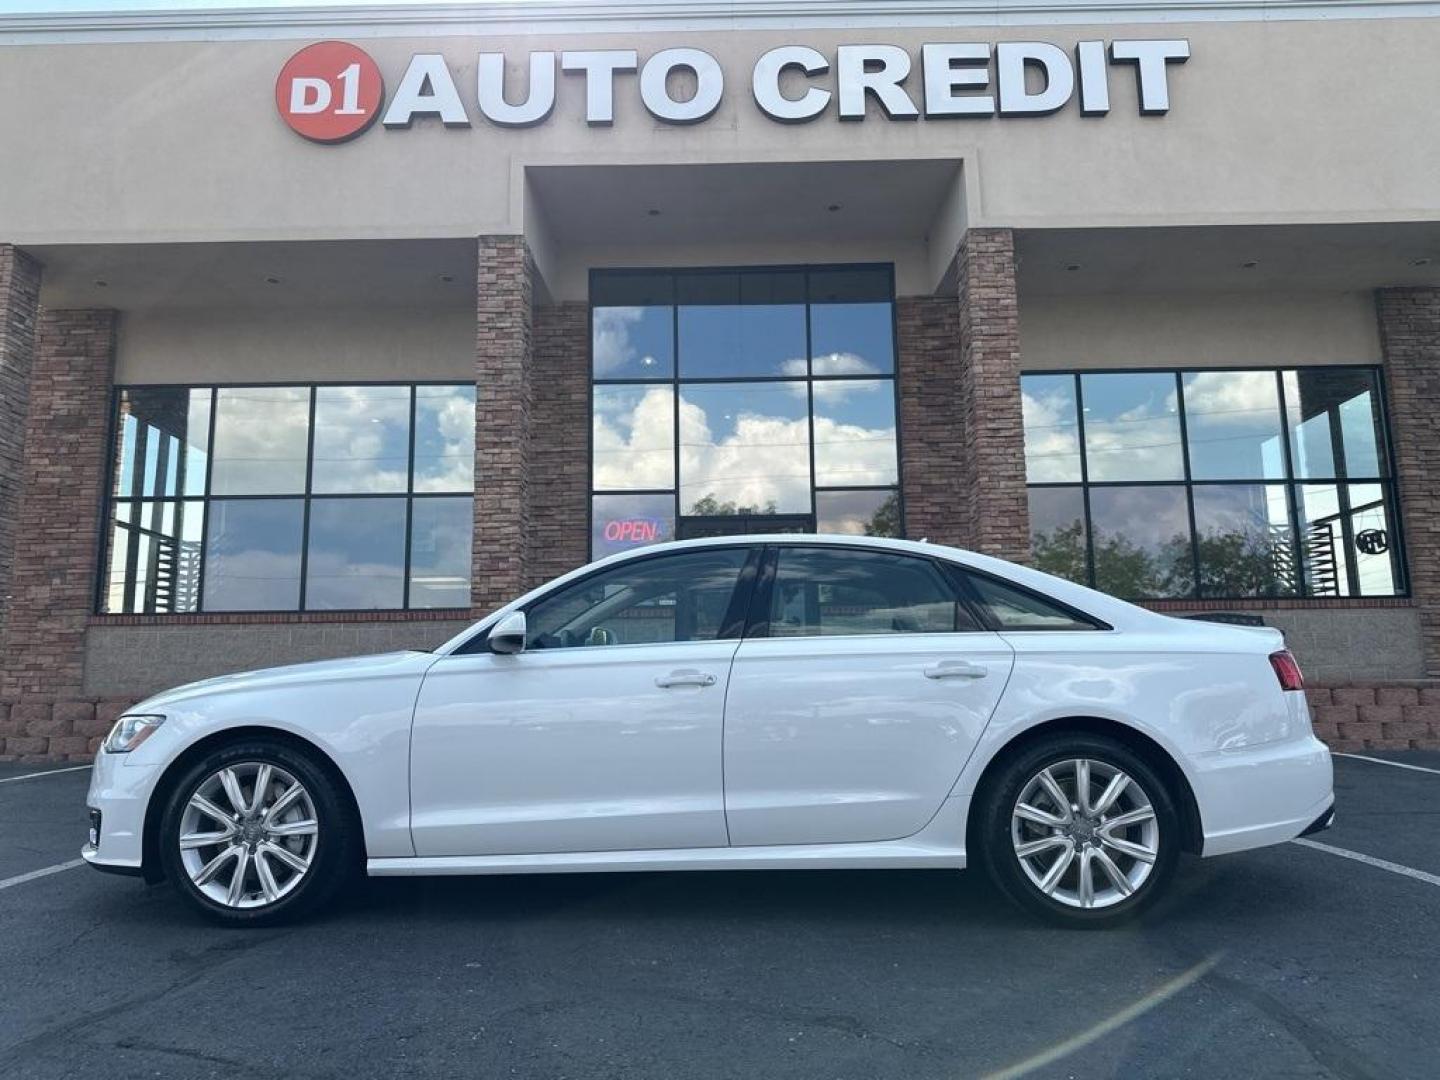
(1079, 829)
(257, 832)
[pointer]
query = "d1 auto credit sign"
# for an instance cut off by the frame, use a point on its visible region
(333, 91)
(330, 91)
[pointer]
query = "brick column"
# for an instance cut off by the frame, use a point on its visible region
(993, 470)
(560, 471)
(57, 527)
(19, 308)
(1410, 340)
(932, 436)
(503, 392)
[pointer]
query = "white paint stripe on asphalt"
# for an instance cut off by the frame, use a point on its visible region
(47, 772)
(1392, 764)
(21, 879)
(1158, 996)
(1370, 860)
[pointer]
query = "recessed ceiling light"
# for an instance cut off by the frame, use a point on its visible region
(834, 207)
(1250, 265)
(1424, 260)
(653, 212)
(1072, 267)
(447, 278)
(101, 282)
(272, 281)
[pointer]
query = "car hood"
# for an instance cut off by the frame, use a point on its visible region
(347, 668)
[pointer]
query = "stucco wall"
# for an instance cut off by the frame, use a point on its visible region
(180, 140)
(133, 661)
(280, 345)
(1198, 330)
(1353, 645)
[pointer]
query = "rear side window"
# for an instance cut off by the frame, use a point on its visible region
(826, 592)
(1014, 608)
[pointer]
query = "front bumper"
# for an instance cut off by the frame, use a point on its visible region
(119, 793)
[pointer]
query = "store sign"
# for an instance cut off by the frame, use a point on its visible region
(333, 91)
(635, 531)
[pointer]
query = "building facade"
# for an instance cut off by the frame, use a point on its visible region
(325, 332)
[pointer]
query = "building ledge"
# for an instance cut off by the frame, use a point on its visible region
(564, 16)
(1282, 603)
(265, 618)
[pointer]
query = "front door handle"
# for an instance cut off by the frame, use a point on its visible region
(956, 669)
(685, 677)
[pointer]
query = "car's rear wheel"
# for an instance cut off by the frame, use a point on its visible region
(257, 832)
(1079, 829)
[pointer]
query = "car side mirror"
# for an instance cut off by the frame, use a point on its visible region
(508, 635)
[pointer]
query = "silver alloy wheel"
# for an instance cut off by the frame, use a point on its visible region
(1085, 833)
(248, 835)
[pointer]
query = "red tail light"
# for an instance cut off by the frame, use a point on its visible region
(1287, 670)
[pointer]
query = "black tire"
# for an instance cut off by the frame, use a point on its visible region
(996, 803)
(338, 841)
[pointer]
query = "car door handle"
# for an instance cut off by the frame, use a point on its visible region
(956, 669)
(685, 677)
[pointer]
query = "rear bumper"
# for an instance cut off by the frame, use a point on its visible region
(1321, 823)
(1263, 795)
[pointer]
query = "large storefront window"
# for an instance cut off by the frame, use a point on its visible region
(742, 401)
(290, 498)
(1217, 484)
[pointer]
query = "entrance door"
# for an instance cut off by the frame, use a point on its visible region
(693, 528)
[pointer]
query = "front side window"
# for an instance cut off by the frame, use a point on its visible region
(727, 402)
(673, 598)
(290, 498)
(821, 592)
(1221, 484)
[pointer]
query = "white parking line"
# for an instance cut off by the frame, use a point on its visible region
(20, 879)
(47, 772)
(1392, 764)
(1370, 860)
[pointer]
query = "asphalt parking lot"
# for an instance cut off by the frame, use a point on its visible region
(1288, 962)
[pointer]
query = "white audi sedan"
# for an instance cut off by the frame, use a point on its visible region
(766, 702)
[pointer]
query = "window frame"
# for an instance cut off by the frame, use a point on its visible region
(1387, 481)
(675, 382)
(732, 626)
(757, 621)
(964, 578)
(110, 499)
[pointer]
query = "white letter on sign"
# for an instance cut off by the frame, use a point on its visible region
(1012, 58)
(600, 68)
(426, 90)
(300, 100)
(948, 68)
(878, 70)
(709, 85)
(1150, 58)
(537, 104)
(766, 84)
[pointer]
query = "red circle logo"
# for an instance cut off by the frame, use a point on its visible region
(330, 91)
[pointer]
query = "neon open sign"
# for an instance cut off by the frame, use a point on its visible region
(635, 530)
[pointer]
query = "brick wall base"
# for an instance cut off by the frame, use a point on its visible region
(35, 731)
(1350, 717)
(1377, 715)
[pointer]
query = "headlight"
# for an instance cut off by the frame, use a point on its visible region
(129, 732)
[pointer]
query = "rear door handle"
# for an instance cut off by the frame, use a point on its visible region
(685, 677)
(956, 669)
